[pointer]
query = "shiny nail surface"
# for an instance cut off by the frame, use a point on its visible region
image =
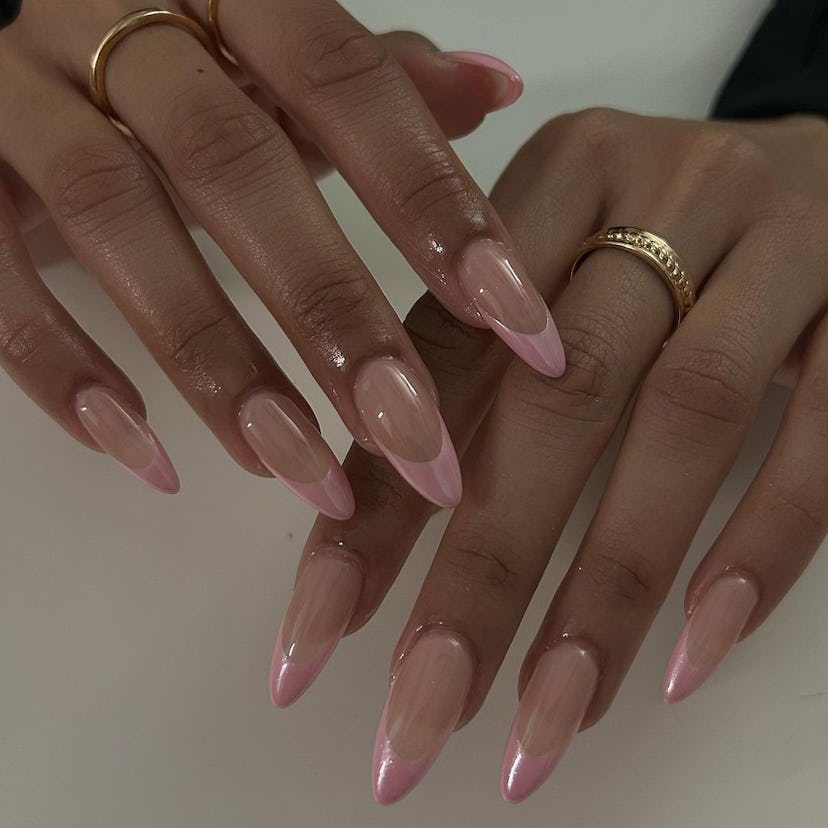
(713, 628)
(493, 279)
(548, 717)
(423, 708)
(404, 421)
(126, 437)
(320, 610)
(508, 84)
(293, 450)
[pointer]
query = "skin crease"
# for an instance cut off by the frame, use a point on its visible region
(758, 194)
(319, 292)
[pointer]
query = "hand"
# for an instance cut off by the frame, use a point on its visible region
(746, 206)
(314, 85)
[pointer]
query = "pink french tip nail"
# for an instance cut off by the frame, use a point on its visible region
(508, 84)
(547, 719)
(502, 292)
(713, 628)
(126, 437)
(404, 421)
(320, 610)
(293, 450)
(424, 705)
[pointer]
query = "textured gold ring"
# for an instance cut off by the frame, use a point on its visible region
(213, 21)
(653, 250)
(122, 29)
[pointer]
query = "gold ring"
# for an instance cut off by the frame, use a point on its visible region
(122, 29)
(653, 250)
(213, 21)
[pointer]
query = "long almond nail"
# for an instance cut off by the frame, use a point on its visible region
(405, 422)
(126, 437)
(548, 717)
(423, 708)
(318, 615)
(294, 451)
(502, 292)
(507, 83)
(714, 627)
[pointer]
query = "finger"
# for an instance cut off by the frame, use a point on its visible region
(57, 365)
(466, 364)
(458, 88)
(242, 179)
(339, 81)
(768, 541)
(117, 218)
(688, 424)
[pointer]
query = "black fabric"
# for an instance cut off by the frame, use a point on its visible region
(9, 9)
(785, 66)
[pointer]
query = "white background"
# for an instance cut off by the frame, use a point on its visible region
(136, 630)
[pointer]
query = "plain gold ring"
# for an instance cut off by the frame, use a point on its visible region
(123, 28)
(653, 250)
(213, 22)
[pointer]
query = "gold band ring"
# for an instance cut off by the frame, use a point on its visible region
(653, 250)
(122, 29)
(213, 21)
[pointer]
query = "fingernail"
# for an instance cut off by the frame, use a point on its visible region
(126, 437)
(548, 717)
(320, 610)
(713, 628)
(423, 708)
(509, 303)
(293, 450)
(404, 421)
(508, 84)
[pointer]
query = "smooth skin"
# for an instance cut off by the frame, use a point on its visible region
(238, 148)
(746, 206)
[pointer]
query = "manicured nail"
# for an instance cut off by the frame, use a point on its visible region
(293, 450)
(126, 437)
(508, 84)
(320, 610)
(501, 291)
(423, 708)
(402, 417)
(548, 717)
(714, 627)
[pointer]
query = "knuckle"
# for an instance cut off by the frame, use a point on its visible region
(728, 148)
(586, 393)
(439, 184)
(97, 185)
(589, 132)
(211, 141)
(22, 337)
(624, 575)
(380, 491)
(192, 342)
(444, 340)
(481, 562)
(334, 295)
(804, 509)
(727, 161)
(708, 391)
(340, 52)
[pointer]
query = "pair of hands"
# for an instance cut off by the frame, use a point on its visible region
(745, 204)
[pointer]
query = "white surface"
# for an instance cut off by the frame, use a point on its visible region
(135, 630)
